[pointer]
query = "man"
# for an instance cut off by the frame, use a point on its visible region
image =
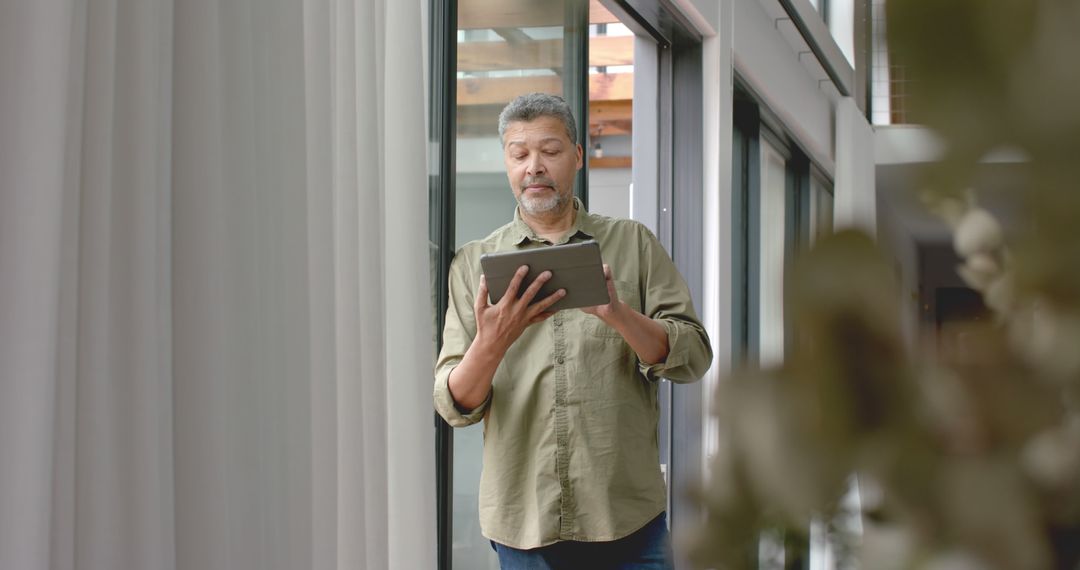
(571, 475)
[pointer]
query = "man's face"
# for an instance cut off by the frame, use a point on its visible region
(541, 162)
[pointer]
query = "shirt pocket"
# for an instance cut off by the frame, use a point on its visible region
(629, 294)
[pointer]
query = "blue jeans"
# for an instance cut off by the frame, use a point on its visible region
(646, 549)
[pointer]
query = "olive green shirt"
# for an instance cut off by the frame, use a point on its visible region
(570, 424)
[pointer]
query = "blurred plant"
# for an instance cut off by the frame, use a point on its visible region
(974, 460)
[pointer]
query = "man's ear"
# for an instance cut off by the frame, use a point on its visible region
(580, 155)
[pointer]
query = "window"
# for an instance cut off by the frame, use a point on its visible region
(782, 203)
(774, 233)
(483, 54)
(822, 6)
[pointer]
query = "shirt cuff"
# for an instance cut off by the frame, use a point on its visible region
(454, 414)
(677, 354)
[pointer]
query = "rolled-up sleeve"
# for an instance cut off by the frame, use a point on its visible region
(689, 353)
(458, 333)
(448, 408)
(667, 300)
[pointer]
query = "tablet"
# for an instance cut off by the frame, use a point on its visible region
(576, 267)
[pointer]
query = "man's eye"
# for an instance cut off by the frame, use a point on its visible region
(519, 157)
(551, 152)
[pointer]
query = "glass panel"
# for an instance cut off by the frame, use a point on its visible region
(822, 6)
(772, 239)
(505, 49)
(821, 208)
(841, 22)
(611, 81)
(886, 91)
(740, 239)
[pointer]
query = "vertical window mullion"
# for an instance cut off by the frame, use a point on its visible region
(442, 58)
(576, 82)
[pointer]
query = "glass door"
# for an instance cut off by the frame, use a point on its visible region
(503, 49)
(483, 54)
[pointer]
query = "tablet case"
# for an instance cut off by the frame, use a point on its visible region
(576, 267)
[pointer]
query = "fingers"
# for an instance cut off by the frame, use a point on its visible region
(523, 306)
(613, 295)
(481, 301)
(515, 284)
(541, 306)
(535, 286)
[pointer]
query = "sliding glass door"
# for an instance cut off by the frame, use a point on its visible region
(483, 54)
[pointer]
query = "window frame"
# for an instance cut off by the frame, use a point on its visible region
(442, 126)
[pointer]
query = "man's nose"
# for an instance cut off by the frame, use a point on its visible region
(535, 165)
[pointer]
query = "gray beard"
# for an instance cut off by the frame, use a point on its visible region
(539, 206)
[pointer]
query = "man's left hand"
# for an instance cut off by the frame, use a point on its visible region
(646, 336)
(608, 312)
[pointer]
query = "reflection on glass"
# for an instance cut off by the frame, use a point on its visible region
(611, 91)
(772, 225)
(504, 49)
(821, 208)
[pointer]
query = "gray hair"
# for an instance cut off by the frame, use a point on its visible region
(532, 106)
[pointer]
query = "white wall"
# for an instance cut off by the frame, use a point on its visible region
(609, 191)
(906, 144)
(704, 14)
(854, 191)
(773, 71)
(740, 36)
(718, 65)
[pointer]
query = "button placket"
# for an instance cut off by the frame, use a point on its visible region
(562, 429)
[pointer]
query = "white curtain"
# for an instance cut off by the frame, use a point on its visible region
(215, 327)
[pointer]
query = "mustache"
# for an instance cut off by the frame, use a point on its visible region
(537, 181)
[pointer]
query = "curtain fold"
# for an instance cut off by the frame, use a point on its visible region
(215, 332)
(404, 142)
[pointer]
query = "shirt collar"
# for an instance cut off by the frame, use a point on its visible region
(583, 225)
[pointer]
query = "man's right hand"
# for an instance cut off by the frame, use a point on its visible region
(499, 325)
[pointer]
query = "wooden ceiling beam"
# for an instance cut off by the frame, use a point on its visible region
(598, 14)
(611, 50)
(611, 86)
(606, 118)
(482, 14)
(612, 110)
(493, 90)
(611, 162)
(540, 54)
(611, 117)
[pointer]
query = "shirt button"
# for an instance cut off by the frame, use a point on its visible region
(557, 324)
(560, 360)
